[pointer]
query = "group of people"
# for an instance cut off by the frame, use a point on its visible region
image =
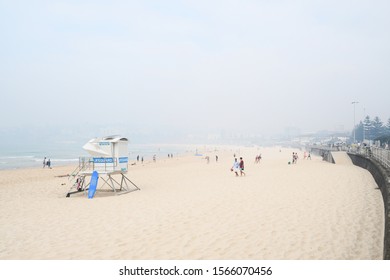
(306, 156)
(207, 158)
(46, 162)
(295, 157)
(154, 158)
(142, 159)
(238, 167)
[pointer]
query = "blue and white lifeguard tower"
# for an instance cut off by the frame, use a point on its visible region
(109, 157)
(108, 153)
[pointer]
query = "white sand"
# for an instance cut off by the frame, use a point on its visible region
(188, 209)
(341, 158)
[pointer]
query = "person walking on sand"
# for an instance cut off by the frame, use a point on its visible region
(44, 162)
(242, 167)
(235, 167)
(294, 158)
(48, 163)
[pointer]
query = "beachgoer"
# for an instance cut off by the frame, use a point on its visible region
(242, 166)
(216, 158)
(295, 158)
(48, 163)
(235, 167)
(142, 159)
(309, 156)
(138, 158)
(154, 158)
(44, 162)
(79, 184)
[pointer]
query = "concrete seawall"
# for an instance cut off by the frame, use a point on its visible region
(382, 178)
(325, 153)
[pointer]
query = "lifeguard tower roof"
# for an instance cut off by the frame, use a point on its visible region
(97, 146)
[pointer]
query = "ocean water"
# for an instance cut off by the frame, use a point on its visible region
(31, 156)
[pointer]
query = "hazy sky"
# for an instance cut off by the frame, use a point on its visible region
(202, 66)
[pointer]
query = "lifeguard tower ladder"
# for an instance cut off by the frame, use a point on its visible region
(109, 157)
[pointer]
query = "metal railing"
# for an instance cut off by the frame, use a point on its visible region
(88, 164)
(379, 154)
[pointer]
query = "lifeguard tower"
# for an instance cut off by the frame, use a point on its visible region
(109, 157)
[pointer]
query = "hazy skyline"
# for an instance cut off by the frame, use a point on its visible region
(194, 66)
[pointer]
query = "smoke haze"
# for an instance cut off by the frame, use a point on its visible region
(179, 68)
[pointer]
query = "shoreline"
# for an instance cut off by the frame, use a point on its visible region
(12, 161)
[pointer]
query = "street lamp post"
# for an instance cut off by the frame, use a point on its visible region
(364, 126)
(354, 123)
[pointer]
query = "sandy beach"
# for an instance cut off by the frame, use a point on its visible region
(190, 209)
